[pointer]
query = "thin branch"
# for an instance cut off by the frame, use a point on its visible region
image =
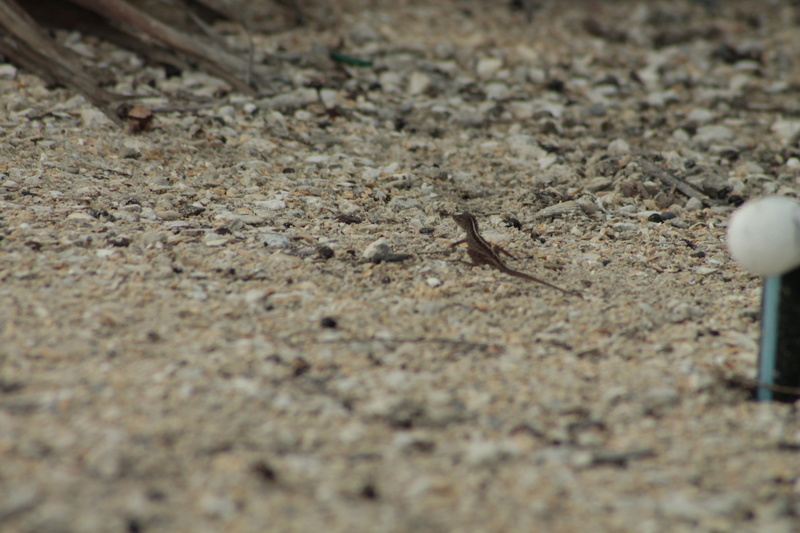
(414, 340)
(669, 179)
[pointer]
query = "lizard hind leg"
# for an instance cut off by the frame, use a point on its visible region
(500, 250)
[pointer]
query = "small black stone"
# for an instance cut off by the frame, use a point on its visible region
(349, 219)
(513, 222)
(393, 258)
(668, 215)
(123, 109)
(7, 387)
(555, 85)
(699, 254)
(729, 54)
(726, 53)
(426, 231)
(171, 71)
(325, 252)
(314, 84)
(155, 495)
(288, 170)
(369, 492)
(300, 366)
(328, 322)
(735, 200)
(264, 472)
(655, 217)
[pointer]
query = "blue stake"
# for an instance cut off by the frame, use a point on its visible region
(764, 238)
(770, 302)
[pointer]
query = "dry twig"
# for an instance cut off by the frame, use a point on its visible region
(669, 179)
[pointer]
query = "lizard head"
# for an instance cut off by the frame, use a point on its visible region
(466, 221)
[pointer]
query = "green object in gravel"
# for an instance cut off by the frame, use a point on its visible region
(348, 60)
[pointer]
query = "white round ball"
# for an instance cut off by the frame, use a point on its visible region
(764, 235)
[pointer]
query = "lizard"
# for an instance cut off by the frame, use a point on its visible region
(482, 252)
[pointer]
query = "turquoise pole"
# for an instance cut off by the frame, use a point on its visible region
(770, 301)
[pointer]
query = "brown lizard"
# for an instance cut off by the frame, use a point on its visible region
(482, 252)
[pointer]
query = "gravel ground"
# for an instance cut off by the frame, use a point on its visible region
(192, 338)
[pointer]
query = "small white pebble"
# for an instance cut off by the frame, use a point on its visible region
(274, 205)
(94, 118)
(433, 282)
(213, 241)
(276, 240)
(80, 215)
(700, 116)
(377, 250)
(693, 204)
(618, 147)
(227, 112)
(418, 83)
(487, 67)
(8, 71)
(624, 227)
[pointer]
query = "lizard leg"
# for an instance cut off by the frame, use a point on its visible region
(500, 250)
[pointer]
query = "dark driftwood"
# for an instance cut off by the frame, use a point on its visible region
(27, 44)
(25, 41)
(73, 17)
(227, 66)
